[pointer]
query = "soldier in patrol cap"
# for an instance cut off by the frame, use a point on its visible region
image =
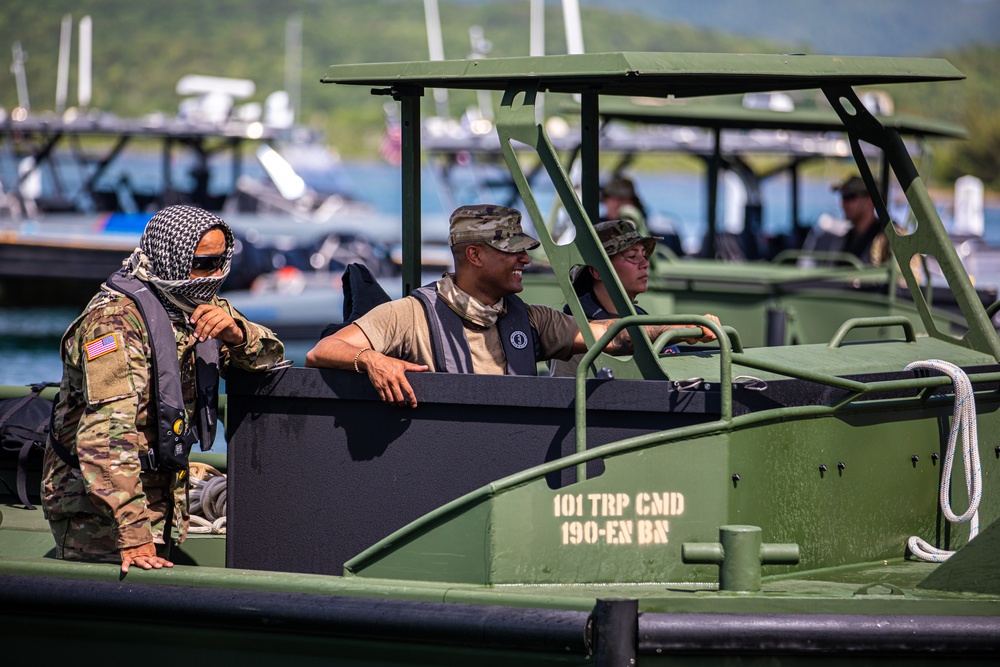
(114, 478)
(470, 321)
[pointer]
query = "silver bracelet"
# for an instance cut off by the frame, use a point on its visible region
(356, 356)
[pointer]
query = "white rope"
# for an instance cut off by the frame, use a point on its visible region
(207, 499)
(964, 422)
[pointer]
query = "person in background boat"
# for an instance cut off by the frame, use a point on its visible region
(622, 203)
(629, 252)
(107, 490)
(866, 239)
(865, 236)
(467, 322)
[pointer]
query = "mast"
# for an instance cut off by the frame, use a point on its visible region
(22, 82)
(83, 89)
(293, 61)
(574, 26)
(536, 45)
(435, 44)
(62, 69)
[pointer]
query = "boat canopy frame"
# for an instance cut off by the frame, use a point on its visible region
(663, 75)
(805, 137)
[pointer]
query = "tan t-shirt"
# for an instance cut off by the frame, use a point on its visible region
(399, 329)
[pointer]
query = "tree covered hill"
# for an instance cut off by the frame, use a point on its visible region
(841, 27)
(142, 49)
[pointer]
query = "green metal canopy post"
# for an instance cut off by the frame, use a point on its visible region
(590, 180)
(516, 122)
(409, 103)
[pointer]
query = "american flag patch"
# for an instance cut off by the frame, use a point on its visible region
(102, 345)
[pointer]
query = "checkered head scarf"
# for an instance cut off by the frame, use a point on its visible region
(166, 250)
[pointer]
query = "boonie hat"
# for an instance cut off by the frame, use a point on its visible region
(615, 236)
(619, 235)
(851, 187)
(496, 226)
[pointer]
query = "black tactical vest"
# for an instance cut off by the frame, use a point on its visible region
(451, 348)
(175, 436)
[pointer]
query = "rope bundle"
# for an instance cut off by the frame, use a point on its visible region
(964, 423)
(207, 500)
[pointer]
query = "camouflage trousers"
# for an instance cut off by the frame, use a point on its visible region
(83, 538)
(80, 539)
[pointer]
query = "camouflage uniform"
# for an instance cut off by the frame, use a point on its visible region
(105, 416)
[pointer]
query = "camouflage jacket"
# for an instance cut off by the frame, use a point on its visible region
(105, 416)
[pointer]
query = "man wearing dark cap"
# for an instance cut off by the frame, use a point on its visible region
(467, 322)
(866, 238)
(140, 385)
(622, 203)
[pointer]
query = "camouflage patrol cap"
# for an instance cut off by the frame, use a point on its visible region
(497, 226)
(619, 235)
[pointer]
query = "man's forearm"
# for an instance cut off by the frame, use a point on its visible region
(333, 353)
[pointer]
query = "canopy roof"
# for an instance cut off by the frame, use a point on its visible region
(649, 74)
(713, 115)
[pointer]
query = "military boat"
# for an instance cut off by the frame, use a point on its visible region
(730, 505)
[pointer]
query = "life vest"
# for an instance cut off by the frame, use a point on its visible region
(175, 436)
(520, 342)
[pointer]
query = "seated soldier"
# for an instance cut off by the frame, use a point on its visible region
(629, 252)
(467, 322)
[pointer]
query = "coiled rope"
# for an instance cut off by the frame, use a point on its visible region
(964, 423)
(207, 500)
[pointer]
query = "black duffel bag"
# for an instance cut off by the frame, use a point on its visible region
(24, 428)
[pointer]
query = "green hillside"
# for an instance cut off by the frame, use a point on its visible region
(142, 49)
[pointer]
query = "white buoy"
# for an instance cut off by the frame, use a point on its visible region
(969, 206)
(734, 203)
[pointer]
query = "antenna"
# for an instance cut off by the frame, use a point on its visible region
(22, 83)
(62, 70)
(84, 83)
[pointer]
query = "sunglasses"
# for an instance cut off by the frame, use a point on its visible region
(849, 197)
(207, 262)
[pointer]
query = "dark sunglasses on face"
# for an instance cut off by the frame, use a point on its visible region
(849, 197)
(207, 262)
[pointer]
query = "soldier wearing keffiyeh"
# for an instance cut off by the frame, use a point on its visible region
(109, 508)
